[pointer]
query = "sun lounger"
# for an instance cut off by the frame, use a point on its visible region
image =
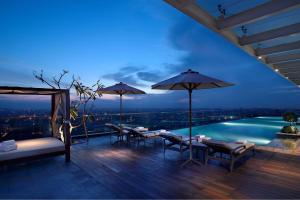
(139, 136)
(229, 151)
(174, 143)
(117, 132)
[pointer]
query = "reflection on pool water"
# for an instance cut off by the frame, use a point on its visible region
(260, 130)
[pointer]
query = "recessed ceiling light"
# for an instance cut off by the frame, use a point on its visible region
(259, 57)
(276, 70)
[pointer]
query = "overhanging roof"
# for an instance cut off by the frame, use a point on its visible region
(29, 90)
(267, 30)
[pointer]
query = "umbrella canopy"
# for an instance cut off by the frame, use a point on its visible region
(190, 80)
(120, 89)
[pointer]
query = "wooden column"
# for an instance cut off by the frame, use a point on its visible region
(67, 126)
(52, 111)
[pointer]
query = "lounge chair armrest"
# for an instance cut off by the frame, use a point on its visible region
(237, 149)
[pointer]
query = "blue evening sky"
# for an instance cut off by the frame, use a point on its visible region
(139, 42)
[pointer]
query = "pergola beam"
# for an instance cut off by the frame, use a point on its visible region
(271, 34)
(257, 13)
(286, 71)
(282, 58)
(296, 80)
(291, 75)
(278, 48)
(192, 9)
(290, 64)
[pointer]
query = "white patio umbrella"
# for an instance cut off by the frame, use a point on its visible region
(190, 80)
(120, 89)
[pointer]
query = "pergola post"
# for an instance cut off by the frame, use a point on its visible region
(67, 126)
(52, 112)
(61, 101)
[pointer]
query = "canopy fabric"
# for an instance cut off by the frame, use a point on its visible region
(54, 115)
(190, 80)
(59, 106)
(120, 89)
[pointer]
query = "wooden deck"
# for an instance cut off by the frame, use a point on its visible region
(99, 170)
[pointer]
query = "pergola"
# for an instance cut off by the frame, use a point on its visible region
(60, 101)
(267, 30)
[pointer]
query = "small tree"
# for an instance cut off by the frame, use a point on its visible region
(290, 117)
(85, 94)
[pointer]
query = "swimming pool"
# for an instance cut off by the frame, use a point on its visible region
(259, 130)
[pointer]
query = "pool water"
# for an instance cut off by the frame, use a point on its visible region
(259, 130)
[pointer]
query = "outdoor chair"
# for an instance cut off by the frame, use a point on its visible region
(141, 136)
(117, 132)
(175, 143)
(228, 151)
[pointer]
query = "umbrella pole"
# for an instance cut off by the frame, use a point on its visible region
(190, 133)
(190, 123)
(121, 112)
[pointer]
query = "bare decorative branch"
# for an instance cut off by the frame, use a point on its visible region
(85, 94)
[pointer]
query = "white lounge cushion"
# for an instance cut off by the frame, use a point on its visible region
(33, 147)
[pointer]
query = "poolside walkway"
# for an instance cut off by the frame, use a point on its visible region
(98, 170)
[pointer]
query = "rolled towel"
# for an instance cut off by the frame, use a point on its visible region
(9, 142)
(7, 148)
(242, 142)
(206, 138)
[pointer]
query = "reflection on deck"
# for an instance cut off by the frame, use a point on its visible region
(99, 170)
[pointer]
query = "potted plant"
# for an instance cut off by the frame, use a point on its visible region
(292, 118)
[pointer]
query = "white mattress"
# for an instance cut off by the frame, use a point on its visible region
(33, 147)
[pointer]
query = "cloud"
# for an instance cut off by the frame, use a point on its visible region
(128, 79)
(127, 74)
(131, 69)
(150, 76)
(212, 55)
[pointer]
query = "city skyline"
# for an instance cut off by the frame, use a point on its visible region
(137, 42)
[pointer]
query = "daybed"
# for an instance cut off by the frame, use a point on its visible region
(33, 148)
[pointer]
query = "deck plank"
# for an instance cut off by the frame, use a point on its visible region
(99, 170)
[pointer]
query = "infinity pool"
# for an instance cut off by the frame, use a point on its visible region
(259, 130)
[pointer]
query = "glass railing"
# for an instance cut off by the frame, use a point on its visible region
(25, 125)
(169, 120)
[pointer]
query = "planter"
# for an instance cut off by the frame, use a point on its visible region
(288, 135)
